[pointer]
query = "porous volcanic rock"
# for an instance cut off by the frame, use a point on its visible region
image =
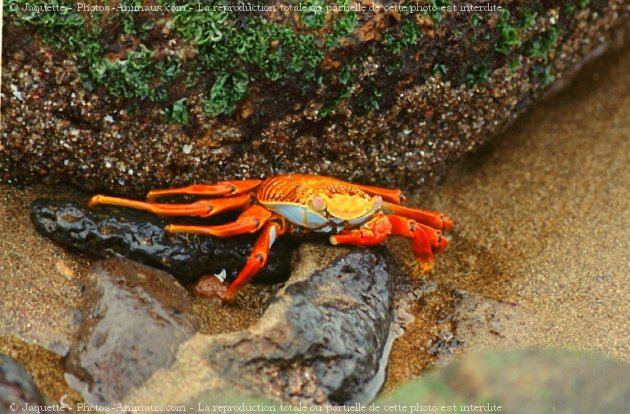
(320, 341)
(134, 321)
(129, 101)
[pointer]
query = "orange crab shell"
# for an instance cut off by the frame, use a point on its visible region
(321, 204)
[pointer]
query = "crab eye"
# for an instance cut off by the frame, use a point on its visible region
(318, 203)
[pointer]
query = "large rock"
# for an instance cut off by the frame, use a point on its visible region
(321, 341)
(372, 96)
(134, 321)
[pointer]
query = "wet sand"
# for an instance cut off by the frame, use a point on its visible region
(40, 281)
(41, 293)
(541, 250)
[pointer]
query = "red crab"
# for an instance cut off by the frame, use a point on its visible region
(295, 204)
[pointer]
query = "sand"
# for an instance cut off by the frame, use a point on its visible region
(540, 254)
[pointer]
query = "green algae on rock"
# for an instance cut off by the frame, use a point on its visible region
(171, 94)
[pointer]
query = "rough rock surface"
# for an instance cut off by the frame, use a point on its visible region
(319, 342)
(141, 237)
(134, 321)
(380, 97)
(17, 388)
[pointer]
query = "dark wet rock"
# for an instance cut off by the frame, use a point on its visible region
(319, 342)
(135, 319)
(388, 98)
(17, 389)
(141, 237)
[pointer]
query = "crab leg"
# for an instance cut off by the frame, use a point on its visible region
(438, 242)
(433, 219)
(201, 208)
(250, 221)
(402, 226)
(421, 241)
(223, 188)
(392, 195)
(257, 258)
(371, 233)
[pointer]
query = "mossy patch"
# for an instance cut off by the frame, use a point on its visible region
(478, 73)
(178, 112)
(436, 15)
(542, 44)
(228, 89)
(510, 35)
